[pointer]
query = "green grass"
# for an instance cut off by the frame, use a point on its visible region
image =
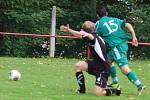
(54, 79)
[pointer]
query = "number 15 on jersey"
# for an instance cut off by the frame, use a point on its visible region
(111, 26)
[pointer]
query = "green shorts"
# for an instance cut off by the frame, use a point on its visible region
(119, 54)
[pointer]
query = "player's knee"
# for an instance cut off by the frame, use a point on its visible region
(111, 64)
(125, 69)
(98, 91)
(77, 67)
(81, 66)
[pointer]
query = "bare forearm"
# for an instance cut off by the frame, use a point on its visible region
(130, 29)
(75, 33)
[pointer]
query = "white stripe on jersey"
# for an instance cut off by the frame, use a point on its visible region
(98, 50)
(97, 24)
(101, 39)
(117, 53)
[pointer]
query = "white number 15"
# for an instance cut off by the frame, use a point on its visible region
(109, 24)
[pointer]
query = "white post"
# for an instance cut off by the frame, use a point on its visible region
(53, 28)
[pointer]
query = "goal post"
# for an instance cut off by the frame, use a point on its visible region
(53, 29)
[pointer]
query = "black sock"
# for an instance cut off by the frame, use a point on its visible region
(112, 91)
(80, 79)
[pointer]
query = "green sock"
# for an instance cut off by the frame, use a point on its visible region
(114, 74)
(133, 78)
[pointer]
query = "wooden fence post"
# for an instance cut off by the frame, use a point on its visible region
(53, 28)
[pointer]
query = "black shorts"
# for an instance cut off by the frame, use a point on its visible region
(101, 74)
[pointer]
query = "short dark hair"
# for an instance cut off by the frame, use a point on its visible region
(101, 11)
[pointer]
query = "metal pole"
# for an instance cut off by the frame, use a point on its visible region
(53, 28)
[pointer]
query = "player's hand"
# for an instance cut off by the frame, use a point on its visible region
(134, 41)
(84, 34)
(64, 28)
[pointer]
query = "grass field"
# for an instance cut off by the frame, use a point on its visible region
(53, 79)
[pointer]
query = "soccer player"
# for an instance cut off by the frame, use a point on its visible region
(99, 66)
(112, 31)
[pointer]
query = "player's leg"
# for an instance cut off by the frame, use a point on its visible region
(122, 61)
(99, 91)
(79, 67)
(113, 74)
(130, 74)
(133, 78)
(100, 84)
(113, 71)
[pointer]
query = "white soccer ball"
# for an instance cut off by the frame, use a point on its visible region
(14, 75)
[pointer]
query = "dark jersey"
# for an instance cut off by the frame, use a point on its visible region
(98, 52)
(99, 65)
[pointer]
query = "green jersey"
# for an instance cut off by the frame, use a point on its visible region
(111, 30)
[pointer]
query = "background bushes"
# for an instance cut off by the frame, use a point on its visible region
(34, 16)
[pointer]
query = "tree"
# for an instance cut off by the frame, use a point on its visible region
(33, 16)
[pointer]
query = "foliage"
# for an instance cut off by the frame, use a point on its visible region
(140, 18)
(34, 16)
(24, 17)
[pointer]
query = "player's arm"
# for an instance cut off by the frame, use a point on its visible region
(80, 34)
(87, 35)
(132, 32)
(69, 30)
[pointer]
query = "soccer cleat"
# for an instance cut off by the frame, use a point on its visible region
(140, 89)
(113, 85)
(118, 91)
(81, 91)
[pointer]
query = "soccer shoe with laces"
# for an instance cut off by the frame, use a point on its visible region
(113, 85)
(141, 88)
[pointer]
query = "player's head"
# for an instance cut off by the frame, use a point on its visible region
(101, 11)
(88, 26)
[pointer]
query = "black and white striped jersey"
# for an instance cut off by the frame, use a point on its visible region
(98, 51)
